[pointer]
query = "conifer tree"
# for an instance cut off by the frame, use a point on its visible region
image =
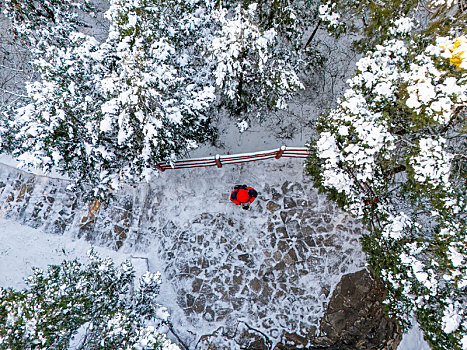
(77, 306)
(375, 21)
(393, 154)
(107, 112)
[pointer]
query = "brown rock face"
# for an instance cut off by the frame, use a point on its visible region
(355, 318)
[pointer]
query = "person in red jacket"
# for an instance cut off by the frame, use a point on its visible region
(243, 195)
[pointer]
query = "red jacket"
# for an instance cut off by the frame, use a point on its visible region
(243, 194)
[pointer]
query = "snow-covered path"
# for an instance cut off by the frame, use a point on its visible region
(273, 267)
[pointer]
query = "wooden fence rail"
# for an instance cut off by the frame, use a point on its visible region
(219, 161)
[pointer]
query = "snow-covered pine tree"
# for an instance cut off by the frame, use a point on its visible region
(393, 153)
(157, 100)
(76, 306)
(32, 27)
(41, 23)
(107, 112)
(372, 20)
(256, 56)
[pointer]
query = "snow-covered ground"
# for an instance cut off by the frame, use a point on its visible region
(24, 247)
(273, 267)
(413, 340)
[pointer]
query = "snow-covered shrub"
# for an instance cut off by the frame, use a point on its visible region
(393, 154)
(76, 306)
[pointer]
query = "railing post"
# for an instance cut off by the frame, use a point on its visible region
(218, 161)
(280, 152)
(160, 168)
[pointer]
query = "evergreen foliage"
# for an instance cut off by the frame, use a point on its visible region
(108, 112)
(393, 154)
(93, 306)
(41, 23)
(376, 21)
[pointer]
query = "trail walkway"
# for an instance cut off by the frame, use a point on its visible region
(273, 267)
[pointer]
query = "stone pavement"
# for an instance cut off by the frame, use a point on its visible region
(277, 275)
(270, 270)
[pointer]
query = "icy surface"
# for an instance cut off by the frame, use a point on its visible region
(413, 340)
(273, 267)
(24, 247)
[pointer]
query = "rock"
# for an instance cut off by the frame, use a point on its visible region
(322, 229)
(307, 231)
(206, 216)
(288, 260)
(275, 195)
(249, 339)
(293, 228)
(237, 279)
(310, 241)
(196, 285)
(297, 187)
(273, 240)
(283, 246)
(293, 255)
(291, 187)
(282, 232)
(255, 285)
(244, 257)
(279, 266)
(355, 318)
(296, 339)
(295, 214)
(289, 203)
(272, 206)
(247, 259)
(209, 314)
(190, 299)
(325, 290)
(285, 187)
(195, 270)
(222, 313)
(199, 304)
(327, 218)
(270, 227)
(277, 256)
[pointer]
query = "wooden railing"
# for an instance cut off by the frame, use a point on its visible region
(219, 161)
